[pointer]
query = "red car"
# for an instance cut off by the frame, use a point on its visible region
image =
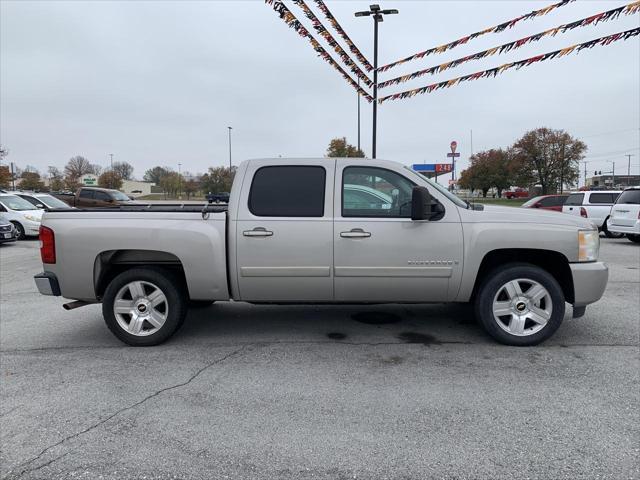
(547, 202)
(517, 193)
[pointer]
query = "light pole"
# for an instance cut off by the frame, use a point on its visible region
(111, 176)
(229, 147)
(358, 113)
(613, 173)
(179, 179)
(377, 13)
(629, 155)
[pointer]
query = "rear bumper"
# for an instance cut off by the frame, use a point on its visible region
(589, 282)
(631, 230)
(47, 284)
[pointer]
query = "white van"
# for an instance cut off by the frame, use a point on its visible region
(625, 215)
(594, 205)
(24, 216)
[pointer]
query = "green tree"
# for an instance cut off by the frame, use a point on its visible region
(155, 174)
(31, 181)
(217, 179)
(110, 179)
(5, 177)
(339, 148)
(171, 184)
(548, 157)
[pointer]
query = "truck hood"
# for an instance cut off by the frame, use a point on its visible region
(497, 214)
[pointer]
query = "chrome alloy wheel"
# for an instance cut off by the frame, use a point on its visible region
(140, 308)
(522, 307)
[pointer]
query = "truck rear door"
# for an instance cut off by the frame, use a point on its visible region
(283, 231)
(381, 255)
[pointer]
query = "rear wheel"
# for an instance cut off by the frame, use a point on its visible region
(520, 304)
(634, 238)
(19, 230)
(609, 234)
(144, 306)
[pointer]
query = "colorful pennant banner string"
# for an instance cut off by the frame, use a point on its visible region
(463, 40)
(592, 20)
(334, 23)
(324, 33)
(291, 20)
(517, 65)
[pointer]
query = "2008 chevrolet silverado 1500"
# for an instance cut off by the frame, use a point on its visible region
(324, 231)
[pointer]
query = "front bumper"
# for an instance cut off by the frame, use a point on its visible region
(630, 230)
(47, 284)
(589, 282)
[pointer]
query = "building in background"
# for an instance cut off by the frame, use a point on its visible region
(606, 181)
(136, 188)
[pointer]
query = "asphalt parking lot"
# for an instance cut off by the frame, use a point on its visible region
(317, 392)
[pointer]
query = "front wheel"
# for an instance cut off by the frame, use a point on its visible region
(19, 231)
(144, 306)
(520, 304)
(634, 238)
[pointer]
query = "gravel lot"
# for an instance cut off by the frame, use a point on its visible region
(313, 392)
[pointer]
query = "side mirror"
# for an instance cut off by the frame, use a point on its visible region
(420, 204)
(39, 205)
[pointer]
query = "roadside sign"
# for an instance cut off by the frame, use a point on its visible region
(452, 182)
(453, 155)
(453, 146)
(432, 167)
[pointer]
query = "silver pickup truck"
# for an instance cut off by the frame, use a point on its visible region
(324, 231)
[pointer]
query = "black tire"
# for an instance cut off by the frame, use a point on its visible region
(176, 305)
(20, 229)
(609, 234)
(201, 303)
(492, 286)
(634, 238)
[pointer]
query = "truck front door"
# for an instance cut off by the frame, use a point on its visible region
(381, 255)
(284, 232)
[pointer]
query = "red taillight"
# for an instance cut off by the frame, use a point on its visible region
(47, 245)
(583, 212)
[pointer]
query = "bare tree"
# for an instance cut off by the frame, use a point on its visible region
(97, 169)
(123, 169)
(77, 166)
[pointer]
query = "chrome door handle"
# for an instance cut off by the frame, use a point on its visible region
(355, 233)
(258, 232)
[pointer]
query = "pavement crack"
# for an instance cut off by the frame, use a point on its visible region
(118, 412)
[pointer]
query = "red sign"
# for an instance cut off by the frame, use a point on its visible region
(454, 145)
(443, 167)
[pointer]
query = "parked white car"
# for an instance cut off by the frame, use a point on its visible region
(7, 232)
(24, 216)
(594, 205)
(625, 215)
(42, 201)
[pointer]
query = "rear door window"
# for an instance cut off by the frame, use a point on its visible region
(101, 196)
(575, 199)
(288, 191)
(86, 194)
(600, 198)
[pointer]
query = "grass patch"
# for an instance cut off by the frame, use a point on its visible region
(515, 202)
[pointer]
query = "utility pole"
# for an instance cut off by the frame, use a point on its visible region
(229, 148)
(358, 113)
(111, 176)
(13, 178)
(377, 13)
(629, 155)
(585, 173)
(179, 180)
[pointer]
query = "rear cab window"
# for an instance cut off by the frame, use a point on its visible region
(85, 193)
(288, 191)
(575, 199)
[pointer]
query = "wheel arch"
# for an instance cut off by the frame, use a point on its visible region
(555, 263)
(110, 263)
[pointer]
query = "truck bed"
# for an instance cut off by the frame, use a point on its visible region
(153, 207)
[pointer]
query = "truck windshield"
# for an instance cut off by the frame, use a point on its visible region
(455, 199)
(119, 196)
(13, 202)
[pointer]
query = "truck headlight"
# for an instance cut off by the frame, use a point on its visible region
(32, 218)
(588, 245)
